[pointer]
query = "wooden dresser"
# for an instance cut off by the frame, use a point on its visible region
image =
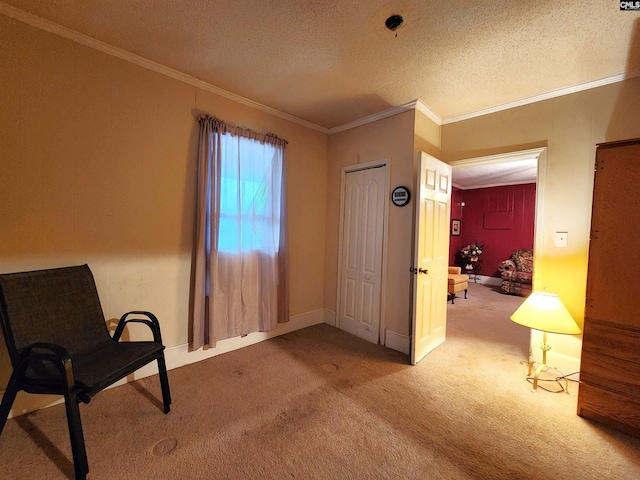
(610, 369)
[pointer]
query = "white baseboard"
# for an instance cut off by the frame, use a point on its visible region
(330, 317)
(393, 340)
(179, 356)
(485, 280)
(397, 341)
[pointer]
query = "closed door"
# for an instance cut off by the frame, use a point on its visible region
(431, 256)
(359, 302)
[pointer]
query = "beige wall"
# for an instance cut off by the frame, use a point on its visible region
(390, 138)
(570, 126)
(98, 166)
(426, 137)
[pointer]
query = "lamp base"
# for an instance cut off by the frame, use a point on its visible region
(536, 375)
(543, 367)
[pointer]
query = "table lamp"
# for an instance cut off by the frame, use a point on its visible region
(545, 312)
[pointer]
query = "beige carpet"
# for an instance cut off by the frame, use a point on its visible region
(322, 404)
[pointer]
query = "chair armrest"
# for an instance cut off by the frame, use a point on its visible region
(53, 353)
(455, 270)
(151, 321)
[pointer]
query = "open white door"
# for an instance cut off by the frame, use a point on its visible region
(431, 256)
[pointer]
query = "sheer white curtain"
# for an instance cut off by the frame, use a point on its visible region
(241, 269)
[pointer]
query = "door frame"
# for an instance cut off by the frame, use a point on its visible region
(386, 164)
(541, 180)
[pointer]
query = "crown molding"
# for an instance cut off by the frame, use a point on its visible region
(413, 105)
(544, 96)
(424, 108)
(389, 112)
(82, 39)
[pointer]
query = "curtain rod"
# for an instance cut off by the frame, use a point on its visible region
(224, 127)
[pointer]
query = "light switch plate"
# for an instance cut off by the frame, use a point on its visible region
(562, 239)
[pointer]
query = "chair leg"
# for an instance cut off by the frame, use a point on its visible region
(465, 293)
(7, 400)
(80, 463)
(164, 384)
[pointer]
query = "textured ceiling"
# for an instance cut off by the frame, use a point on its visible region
(331, 62)
(496, 174)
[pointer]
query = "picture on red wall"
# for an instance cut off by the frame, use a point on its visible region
(455, 227)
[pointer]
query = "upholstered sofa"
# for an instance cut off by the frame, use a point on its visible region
(517, 273)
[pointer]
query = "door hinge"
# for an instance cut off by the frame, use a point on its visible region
(599, 164)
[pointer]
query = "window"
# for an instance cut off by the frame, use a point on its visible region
(249, 196)
(240, 271)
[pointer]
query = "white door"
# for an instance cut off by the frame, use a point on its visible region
(359, 296)
(431, 257)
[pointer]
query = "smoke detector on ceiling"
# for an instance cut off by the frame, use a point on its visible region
(394, 22)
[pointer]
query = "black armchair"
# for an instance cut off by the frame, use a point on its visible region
(59, 344)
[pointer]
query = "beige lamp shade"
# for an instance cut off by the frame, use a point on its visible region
(545, 312)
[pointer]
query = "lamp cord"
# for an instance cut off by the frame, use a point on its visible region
(556, 380)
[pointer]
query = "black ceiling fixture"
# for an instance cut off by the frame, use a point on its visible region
(394, 22)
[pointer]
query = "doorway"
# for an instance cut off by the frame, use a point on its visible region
(485, 164)
(363, 226)
(540, 156)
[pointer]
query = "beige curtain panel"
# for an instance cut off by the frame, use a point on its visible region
(241, 262)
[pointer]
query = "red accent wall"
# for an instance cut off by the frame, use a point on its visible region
(500, 218)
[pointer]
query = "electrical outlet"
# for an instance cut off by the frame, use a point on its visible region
(562, 239)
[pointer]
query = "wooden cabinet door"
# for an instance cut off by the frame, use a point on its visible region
(610, 365)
